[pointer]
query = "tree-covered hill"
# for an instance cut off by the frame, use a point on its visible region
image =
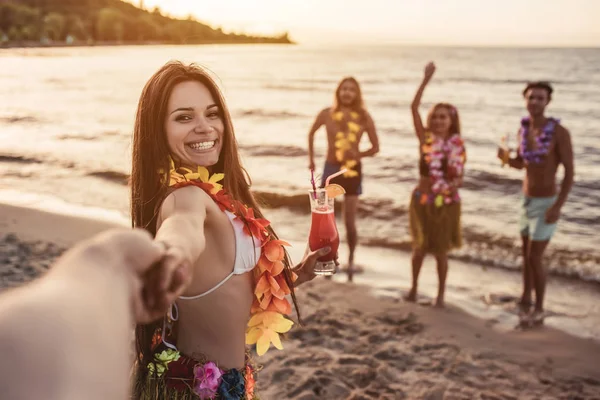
(105, 21)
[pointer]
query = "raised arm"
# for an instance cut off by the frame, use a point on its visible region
(319, 121)
(181, 228)
(372, 132)
(419, 128)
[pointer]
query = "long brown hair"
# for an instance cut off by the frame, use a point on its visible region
(358, 105)
(454, 118)
(151, 155)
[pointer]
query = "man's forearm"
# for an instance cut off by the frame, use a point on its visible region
(565, 188)
(56, 332)
(369, 153)
(62, 342)
(311, 145)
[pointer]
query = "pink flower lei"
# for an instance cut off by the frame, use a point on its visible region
(444, 185)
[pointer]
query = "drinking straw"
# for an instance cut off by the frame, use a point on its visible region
(312, 181)
(340, 172)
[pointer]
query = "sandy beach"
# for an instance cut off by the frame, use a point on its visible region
(356, 345)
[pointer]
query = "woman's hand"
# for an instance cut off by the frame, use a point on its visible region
(429, 70)
(306, 269)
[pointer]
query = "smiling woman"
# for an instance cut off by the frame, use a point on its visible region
(183, 146)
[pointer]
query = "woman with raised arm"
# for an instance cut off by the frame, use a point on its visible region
(435, 202)
(190, 191)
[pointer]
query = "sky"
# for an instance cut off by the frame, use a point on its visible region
(435, 22)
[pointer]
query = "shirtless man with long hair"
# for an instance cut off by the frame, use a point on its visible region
(345, 122)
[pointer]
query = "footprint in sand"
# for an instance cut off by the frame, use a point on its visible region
(324, 385)
(395, 357)
(283, 374)
(314, 296)
(362, 361)
(423, 301)
(310, 360)
(358, 269)
(391, 317)
(511, 304)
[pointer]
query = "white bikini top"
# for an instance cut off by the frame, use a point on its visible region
(247, 253)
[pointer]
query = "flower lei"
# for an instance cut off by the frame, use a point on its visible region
(542, 141)
(161, 361)
(208, 379)
(344, 139)
(435, 150)
(270, 305)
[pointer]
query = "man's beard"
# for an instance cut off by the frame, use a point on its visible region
(348, 103)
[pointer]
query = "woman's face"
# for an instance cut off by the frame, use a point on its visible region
(194, 125)
(441, 121)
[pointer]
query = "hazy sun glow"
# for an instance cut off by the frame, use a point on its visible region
(475, 22)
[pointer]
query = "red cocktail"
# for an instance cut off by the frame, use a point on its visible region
(323, 231)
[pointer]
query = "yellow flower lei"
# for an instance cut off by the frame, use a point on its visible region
(183, 174)
(344, 140)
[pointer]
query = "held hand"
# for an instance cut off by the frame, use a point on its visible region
(311, 165)
(131, 256)
(163, 284)
(306, 269)
(429, 70)
(552, 214)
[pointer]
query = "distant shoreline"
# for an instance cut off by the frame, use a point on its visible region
(36, 44)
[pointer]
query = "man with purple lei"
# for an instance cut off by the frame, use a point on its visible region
(544, 144)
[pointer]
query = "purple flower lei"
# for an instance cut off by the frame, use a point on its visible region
(542, 141)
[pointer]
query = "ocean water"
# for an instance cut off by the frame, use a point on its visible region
(66, 117)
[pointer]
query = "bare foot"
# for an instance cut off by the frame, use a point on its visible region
(411, 296)
(538, 316)
(439, 303)
(524, 306)
(524, 320)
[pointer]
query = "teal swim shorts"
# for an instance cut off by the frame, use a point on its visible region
(533, 218)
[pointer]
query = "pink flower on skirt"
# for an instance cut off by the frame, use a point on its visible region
(207, 379)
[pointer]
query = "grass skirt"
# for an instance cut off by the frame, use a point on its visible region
(184, 378)
(434, 230)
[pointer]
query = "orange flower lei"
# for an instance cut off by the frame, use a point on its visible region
(270, 305)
